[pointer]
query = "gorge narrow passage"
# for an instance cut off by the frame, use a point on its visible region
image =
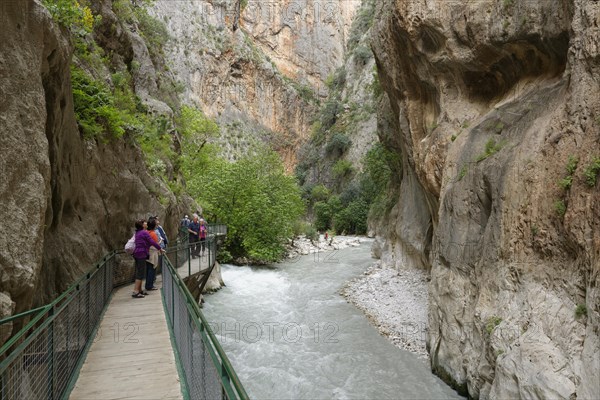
(289, 334)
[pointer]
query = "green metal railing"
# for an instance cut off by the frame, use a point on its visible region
(41, 360)
(208, 374)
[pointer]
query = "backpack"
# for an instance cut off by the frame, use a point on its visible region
(130, 245)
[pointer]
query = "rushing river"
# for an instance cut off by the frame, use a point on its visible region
(290, 335)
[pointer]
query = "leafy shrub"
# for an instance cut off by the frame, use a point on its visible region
(352, 219)
(95, 110)
(463, 172)
(491, 148)
(580, 311)
(342, 169)
(572, 165)
(352, 192)
(311, 233)
(329, 114)
(338, 144)
(592, 171)
(492, 323)
(337, 80)
(362, 54)
(560, 207)
(319, 193)
(323, 215)
(71, 15)
(566, 183)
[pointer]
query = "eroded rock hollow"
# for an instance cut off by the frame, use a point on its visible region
(491, 102)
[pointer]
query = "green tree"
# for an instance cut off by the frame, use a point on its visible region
(319, 193)
(352, 219)
(255, 198)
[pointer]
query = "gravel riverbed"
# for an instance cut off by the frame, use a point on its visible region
(395, 301)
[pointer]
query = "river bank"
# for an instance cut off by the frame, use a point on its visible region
(394, 301)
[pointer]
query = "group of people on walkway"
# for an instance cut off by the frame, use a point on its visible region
(198, 231)
(150, 244)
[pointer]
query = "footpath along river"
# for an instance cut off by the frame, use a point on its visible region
(290, 335)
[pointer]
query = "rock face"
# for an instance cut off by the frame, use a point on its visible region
(306, 39)
(66, 201)
(490, 101)
(262, 80)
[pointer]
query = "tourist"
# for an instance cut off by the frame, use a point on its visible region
(203, 234)
(194, 230)
(184, 222)
(161, 232)
(153, 259)
(143, 242)
(164, 243)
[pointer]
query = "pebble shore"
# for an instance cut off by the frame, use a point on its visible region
(395, 301)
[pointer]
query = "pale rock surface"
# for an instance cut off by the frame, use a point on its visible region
(507, 271)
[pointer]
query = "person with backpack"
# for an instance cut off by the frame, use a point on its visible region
(185, 221)
(143, 242)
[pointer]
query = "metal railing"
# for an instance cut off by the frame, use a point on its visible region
(41, 360)
(208, 374)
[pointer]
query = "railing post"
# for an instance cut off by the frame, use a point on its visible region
(172, 280)
(50, 357)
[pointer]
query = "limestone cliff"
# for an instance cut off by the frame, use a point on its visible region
(495, 112)
(66, 201)
(262, 79)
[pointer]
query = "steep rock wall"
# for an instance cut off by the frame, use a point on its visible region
(261, 81)
(305, 38)
(66, 201)
(490, 99)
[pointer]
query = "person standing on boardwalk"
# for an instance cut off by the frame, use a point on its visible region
(161, 232)
(153, 260)
(143, 242)
(203, 233)
(194, 231)
(165, 241)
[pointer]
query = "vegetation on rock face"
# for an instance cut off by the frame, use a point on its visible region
(592, 171)
(491, 148)
(72, 15)
(356, 184)
(580, 311)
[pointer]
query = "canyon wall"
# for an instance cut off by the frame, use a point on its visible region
(495, 113)
(67, 201)
(261, 79)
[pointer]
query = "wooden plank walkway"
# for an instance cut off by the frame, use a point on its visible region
(196, 265)
(132, 356)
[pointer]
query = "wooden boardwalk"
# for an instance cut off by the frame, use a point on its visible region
(195, 266)
(132, 356)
